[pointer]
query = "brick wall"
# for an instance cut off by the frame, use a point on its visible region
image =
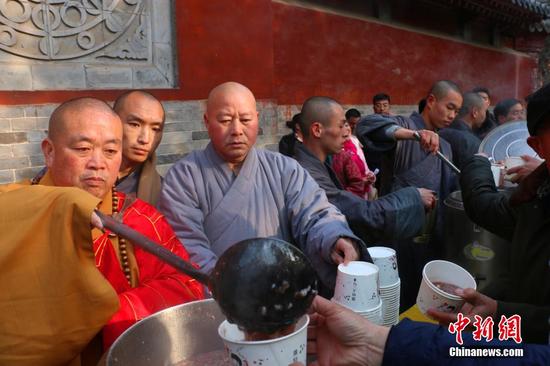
(22, 128)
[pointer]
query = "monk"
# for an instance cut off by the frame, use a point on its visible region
(63, 282)
(142, 118)
(231, 191)
(408, 163)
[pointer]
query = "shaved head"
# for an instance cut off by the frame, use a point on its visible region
(231, 119)
(316, 109)
(441, 88)
(120, 102)
(84, 146)
(60, 116)
(223, 91)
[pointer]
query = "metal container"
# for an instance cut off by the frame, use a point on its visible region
(507, 140)
(482, 253)
(170, 336)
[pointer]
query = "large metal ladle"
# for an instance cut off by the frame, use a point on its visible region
(260, 284)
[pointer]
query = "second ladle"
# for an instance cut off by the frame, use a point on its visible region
(260, 284)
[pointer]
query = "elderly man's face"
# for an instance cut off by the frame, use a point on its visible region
(88, 153)
(443, 111)
(232, 123)
(142, 122)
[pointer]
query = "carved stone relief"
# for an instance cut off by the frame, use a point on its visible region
(44, 37)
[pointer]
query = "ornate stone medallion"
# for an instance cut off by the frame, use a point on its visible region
(63, 29)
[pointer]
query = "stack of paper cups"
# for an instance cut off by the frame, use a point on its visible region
(390, 284)
(357, 289)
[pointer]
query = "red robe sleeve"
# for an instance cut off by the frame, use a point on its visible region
(160, 286)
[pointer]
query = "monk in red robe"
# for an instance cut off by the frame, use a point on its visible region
(56, 305)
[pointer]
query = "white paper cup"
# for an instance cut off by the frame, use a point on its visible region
(512, 162)
(386, 261)
(357, 286)
(496, 169)
(273, 352)
(432, 297)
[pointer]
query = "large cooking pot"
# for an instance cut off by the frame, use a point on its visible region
(482, 253)
(170, 336)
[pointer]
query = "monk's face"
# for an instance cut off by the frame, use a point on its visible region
(87, 154)
(333, 131)
(142, 122)
(232, 122)
(443, 111)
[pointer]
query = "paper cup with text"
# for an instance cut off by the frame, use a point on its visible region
(436, 276)
(357, 286)
(497, 169)
(386, 261)
(273, 352)
(512, 162)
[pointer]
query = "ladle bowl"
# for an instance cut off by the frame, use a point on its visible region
(260, 284)
(263, 284)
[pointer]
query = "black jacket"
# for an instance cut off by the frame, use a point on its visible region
(523, 218)
(464, 143)
(396, 215)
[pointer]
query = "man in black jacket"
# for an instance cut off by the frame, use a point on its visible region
(396, 215)
(523, 218)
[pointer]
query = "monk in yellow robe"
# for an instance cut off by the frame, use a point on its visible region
(65, 287)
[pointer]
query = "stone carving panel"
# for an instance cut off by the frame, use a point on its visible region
(47, 36)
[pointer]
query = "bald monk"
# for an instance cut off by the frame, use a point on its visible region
(231, 191)
(62, 282)
(397, 215)
(142, 118)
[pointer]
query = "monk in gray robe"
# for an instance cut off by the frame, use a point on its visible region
(397, 215)
(408, 163)
(231, 191)
(142, 118)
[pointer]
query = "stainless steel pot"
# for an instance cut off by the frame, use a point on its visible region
(170, 336)
(482, 253)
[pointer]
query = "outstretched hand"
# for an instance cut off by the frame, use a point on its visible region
(476, 304)
(338, 336)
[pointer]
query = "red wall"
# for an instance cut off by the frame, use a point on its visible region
(351, 60)
(289, 53)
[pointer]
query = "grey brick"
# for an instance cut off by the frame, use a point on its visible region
(179, 126)
(108, 76)
(161, 18)
(26, 173)
(23, 124)
(169, 159)
(49, 77)
(200, 135)
(45, 110)
(12, 111)
(15, 77)
(14, 163)
(20, 150)
(42, 123)
(35, 136)
(180, 148)
(12, 137)
(5, 125)
(176, 137)
(5, 152)
(37, 160)
(6, 176)
(149, 77)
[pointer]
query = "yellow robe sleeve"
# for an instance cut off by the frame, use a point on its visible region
(53, 300)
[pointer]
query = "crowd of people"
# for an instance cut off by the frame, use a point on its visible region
(341, 183)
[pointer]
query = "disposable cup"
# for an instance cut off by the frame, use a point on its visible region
(273, 352)
(357, 286)
(386, 261)
(496, 169)
(512, 162)
(430, 296)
